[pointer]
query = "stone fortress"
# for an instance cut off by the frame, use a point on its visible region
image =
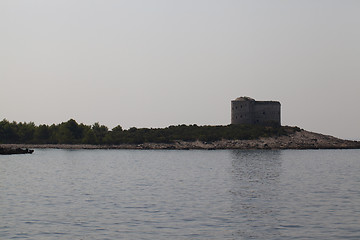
(245, 110)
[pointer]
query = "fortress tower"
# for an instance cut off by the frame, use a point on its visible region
(245, 110)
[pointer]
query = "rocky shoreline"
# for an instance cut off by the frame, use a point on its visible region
(297, 140)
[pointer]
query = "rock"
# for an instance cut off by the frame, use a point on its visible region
(9, 151)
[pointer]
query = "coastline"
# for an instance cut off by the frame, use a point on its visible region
(298, 140)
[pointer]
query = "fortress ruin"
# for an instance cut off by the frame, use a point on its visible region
(245, 110)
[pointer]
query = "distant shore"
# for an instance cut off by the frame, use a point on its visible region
(299, 140)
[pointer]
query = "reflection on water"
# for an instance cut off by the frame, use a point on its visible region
(254, 189)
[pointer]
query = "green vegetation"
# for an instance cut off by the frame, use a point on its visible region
(71, 132)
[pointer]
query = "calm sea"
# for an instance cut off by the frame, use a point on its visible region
(221, 194)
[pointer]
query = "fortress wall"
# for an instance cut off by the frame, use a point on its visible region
(241, 112)
(267, 112)
(249, 111)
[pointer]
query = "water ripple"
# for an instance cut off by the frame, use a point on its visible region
(230, 194)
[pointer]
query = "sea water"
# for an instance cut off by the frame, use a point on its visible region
(195, 194)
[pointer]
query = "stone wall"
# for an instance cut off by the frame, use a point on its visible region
(246, 110)
(241, 112)
(266, 113)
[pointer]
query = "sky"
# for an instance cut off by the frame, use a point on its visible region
(156, 63)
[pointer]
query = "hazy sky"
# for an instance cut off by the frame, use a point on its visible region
(155, 63)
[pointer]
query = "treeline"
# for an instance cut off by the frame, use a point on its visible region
(71, 132)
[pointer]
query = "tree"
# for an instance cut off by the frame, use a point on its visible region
(25, 132)
(89, 137)
(42, 134)
(116, 136)
(75, 129)
(8, 132)
(100, 132)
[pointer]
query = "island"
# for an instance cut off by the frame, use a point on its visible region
(20, 137)
(301, 139)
